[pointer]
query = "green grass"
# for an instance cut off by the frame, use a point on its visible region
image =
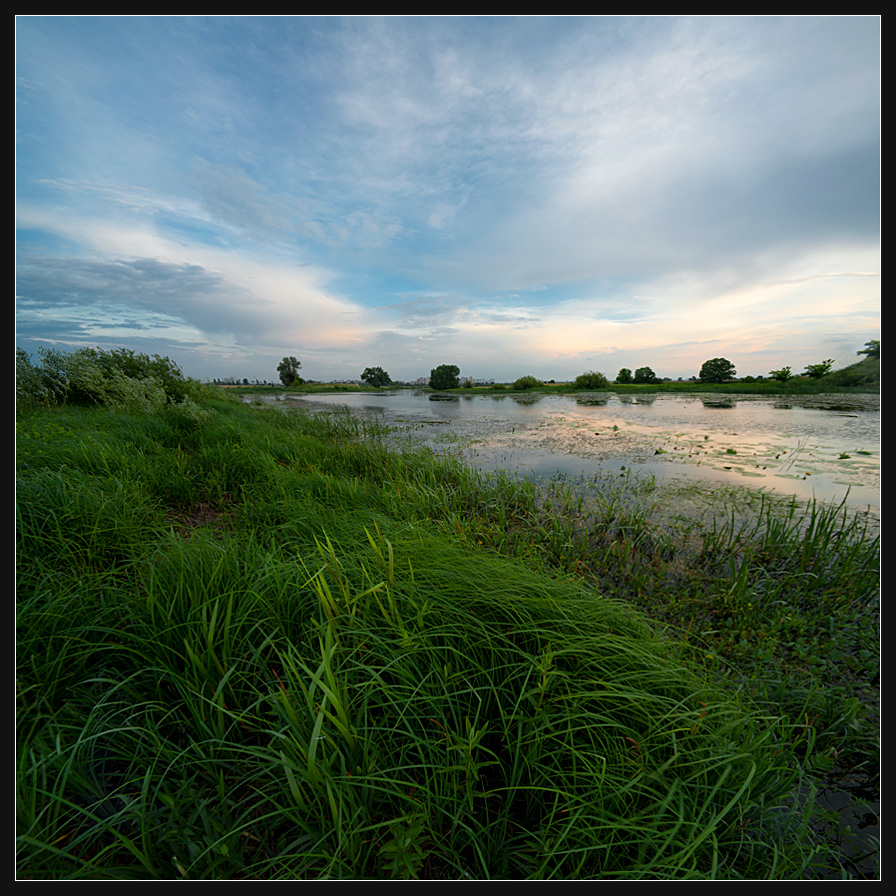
(257, 644)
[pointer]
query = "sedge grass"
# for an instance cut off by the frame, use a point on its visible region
(263, 645)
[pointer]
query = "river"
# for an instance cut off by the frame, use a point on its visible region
(825, 447)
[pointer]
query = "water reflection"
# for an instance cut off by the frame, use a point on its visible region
(595, 400)
(825, 447)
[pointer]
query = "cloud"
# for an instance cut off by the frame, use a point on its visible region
(234, 198)
(512, 191)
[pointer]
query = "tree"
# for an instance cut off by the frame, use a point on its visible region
(781, 375)
(376, 376)
(718, 370)
(624, 376)
(445, 376)
(526, 382)
(645, 375)
(288, 369)
(817, 371)
(591, 380)
(872, 349)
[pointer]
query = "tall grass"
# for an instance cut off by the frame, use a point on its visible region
(260, 645)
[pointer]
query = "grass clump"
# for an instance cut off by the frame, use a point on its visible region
(263, 645)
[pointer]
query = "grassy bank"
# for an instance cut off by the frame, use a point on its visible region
(255, 644)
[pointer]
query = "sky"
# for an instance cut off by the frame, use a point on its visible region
(516, 196)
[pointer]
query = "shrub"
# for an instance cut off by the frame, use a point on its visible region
(36, 385)
(591, 380)
(119, 378)
(526, 382)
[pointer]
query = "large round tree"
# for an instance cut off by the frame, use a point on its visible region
(445, 376)
(376, 376)
(645, 375)
(718, 370)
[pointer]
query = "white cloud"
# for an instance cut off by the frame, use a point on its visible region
(553, 190)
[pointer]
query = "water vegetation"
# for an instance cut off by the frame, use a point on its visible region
(257, 643)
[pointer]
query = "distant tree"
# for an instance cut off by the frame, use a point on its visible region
(591, 380)
(376, 376)
(526, 382)
(445, 376)
(817, 371)
(718, 370)
(288, 369)
(872, 349)
(781, 375)
(645, 375)
(624, 376)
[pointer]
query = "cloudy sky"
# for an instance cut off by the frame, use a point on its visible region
(516, 196)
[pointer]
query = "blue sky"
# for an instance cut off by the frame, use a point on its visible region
(516, 196)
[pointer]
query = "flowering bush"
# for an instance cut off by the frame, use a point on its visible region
(119, 378)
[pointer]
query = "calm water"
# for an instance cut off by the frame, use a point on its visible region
(821, 446)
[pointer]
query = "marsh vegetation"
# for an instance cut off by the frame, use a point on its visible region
(265, 644)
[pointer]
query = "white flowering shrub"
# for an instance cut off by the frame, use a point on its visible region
(45, 384)
(119, 378)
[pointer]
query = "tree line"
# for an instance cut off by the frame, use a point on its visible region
(715, 370)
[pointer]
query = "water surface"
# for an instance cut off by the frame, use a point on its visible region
(819, 446)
